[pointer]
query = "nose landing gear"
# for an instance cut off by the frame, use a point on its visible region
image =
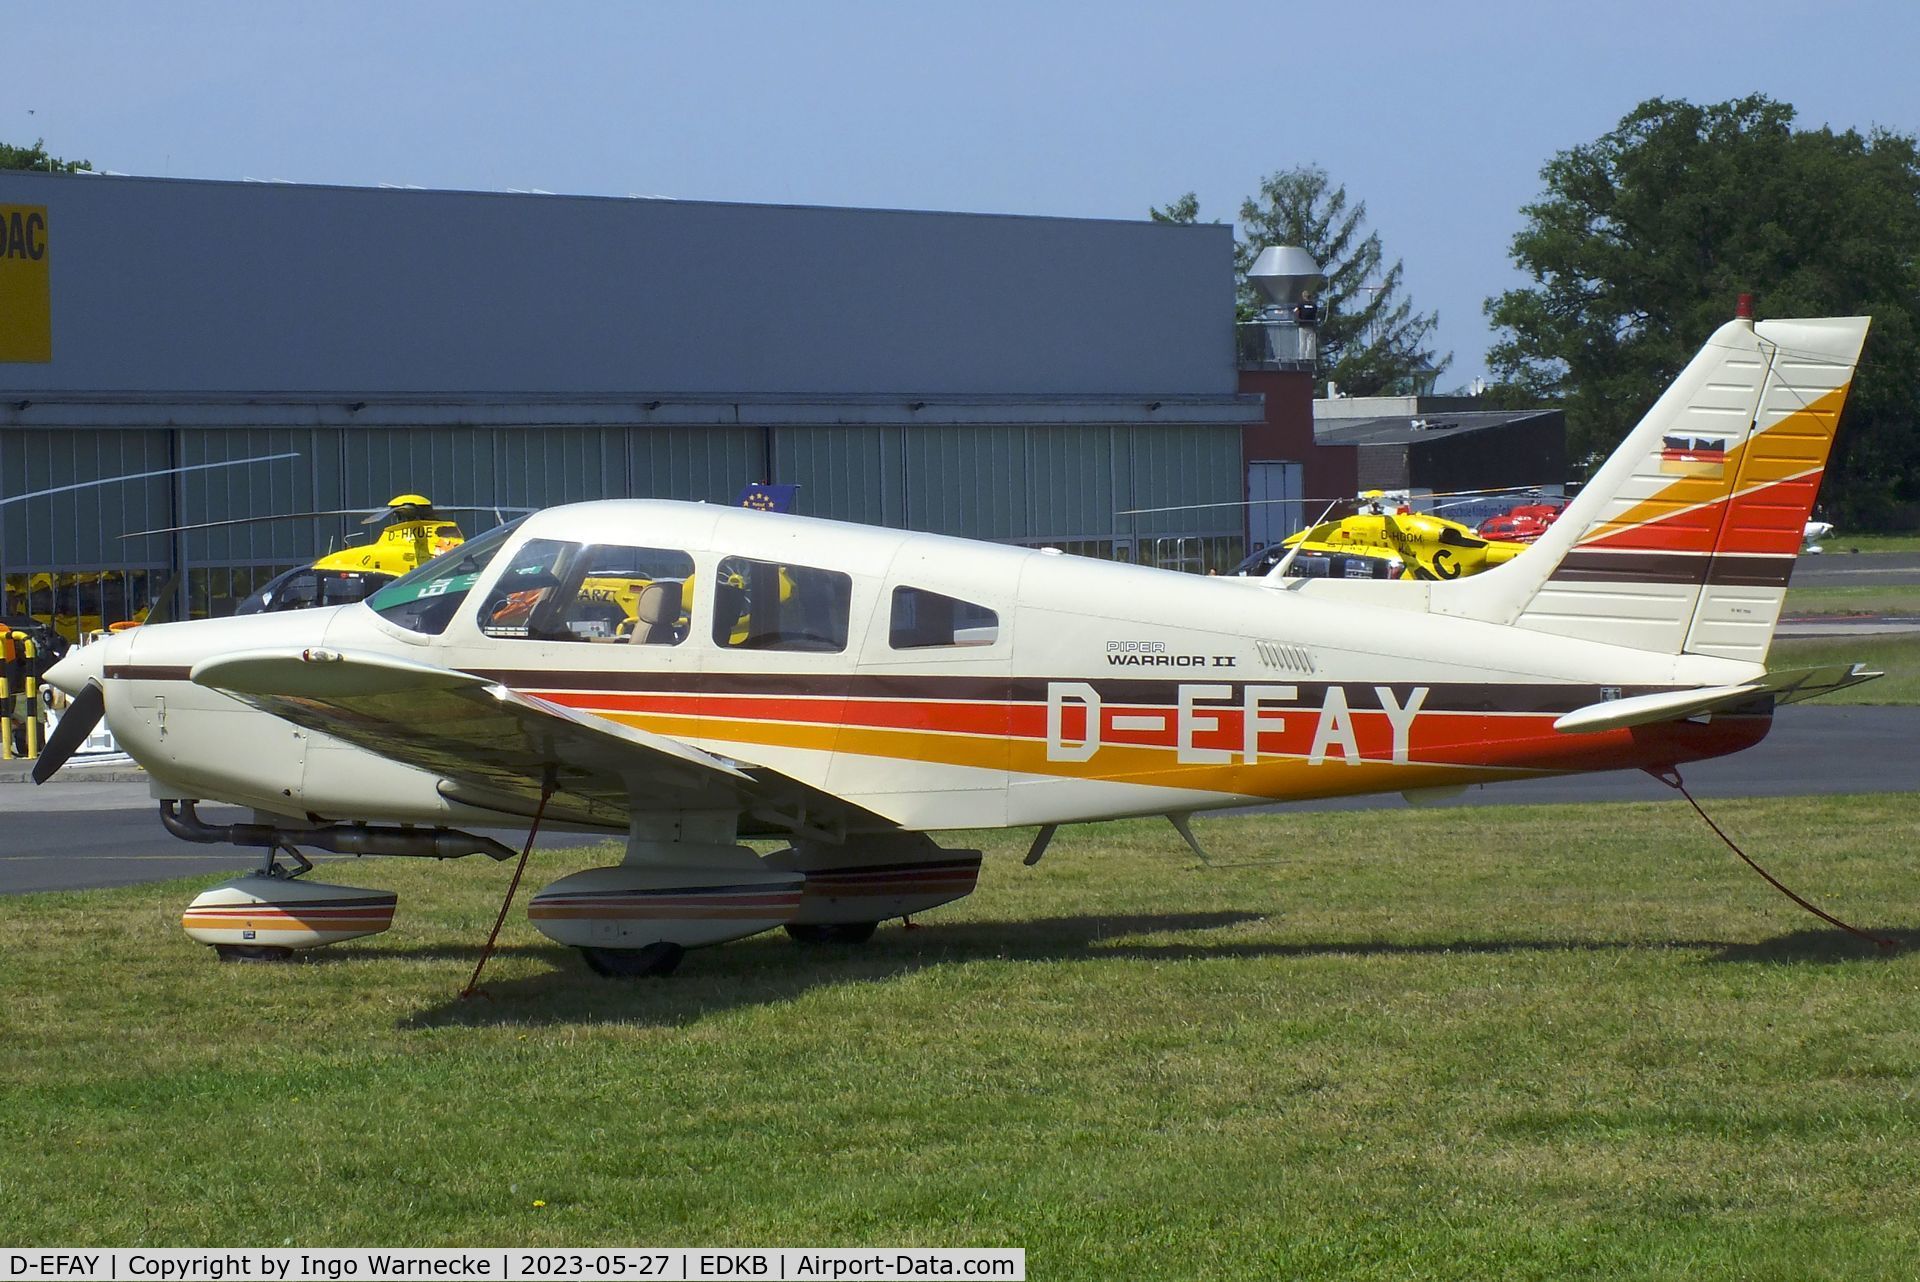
(268, 915)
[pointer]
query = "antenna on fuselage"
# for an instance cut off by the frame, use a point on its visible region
(1279, 572)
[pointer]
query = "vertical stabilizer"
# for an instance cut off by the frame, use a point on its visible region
(1684, 539)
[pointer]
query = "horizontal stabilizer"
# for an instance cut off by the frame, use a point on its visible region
(1789, 685)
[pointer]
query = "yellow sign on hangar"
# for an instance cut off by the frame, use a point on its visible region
(26, 310)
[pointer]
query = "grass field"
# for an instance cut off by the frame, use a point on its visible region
(1896, 654)
(1843, 543)
(1852, 600)
(1510, 1042)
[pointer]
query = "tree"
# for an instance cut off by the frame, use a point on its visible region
(1185, 209)
(36, 157)
(1372, 342)
(1644, 238)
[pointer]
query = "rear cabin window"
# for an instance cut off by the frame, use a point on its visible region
(560, 591)
(764, 605)
(923, 620)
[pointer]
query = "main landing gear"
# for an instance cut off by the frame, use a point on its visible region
(634, 963)
(686, 885)
(839, 932)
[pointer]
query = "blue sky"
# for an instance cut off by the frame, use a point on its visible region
(1438, 118)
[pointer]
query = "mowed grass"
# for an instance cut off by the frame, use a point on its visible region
(1894, 599)
(1895, 653)
(1506, 1042)
(1843, 543)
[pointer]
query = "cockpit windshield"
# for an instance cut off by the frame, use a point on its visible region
(425, 600)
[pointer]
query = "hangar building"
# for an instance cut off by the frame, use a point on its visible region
(1430, 445)
(1012, 378)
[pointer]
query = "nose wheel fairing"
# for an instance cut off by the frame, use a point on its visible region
(259, 915)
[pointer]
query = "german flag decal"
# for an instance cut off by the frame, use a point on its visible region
(1689, 455)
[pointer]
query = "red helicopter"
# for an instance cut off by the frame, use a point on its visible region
(1522, 524)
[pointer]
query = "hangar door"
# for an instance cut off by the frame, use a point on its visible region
(1274, 510)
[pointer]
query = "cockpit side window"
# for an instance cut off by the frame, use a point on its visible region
(558, 591)
(425, 600)
(923, 620)
(765, 605)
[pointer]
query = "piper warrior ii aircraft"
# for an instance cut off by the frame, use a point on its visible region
(851, 690)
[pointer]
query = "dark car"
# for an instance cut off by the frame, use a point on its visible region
(1315, 564)
(307, 588)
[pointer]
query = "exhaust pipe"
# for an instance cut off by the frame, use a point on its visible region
(341, 839)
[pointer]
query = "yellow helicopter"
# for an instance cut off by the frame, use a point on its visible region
(1384, 539)
(601, 603)
(418, 533)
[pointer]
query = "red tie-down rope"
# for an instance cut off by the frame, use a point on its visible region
(1670, 776)
(472, 989)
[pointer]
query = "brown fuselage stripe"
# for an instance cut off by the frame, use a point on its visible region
(1536, 698)
(1683, 568)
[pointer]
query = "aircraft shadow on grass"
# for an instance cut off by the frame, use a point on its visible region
(770, 968)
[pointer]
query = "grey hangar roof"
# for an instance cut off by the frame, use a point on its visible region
(278, 295)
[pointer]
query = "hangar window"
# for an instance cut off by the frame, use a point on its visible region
(558, 591)
(764, 605)
(425, 600)
(923, 620)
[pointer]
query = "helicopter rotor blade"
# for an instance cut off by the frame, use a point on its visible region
(246, 520)
(370, 515)
(141, 476)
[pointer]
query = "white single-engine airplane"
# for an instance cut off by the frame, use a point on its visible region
(852, 689)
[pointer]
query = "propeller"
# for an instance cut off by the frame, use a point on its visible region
(81, 716)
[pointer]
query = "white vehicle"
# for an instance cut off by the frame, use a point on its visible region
(852, 690)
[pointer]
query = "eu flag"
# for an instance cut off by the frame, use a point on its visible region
(767, 498)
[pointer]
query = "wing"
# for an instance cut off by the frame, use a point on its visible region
(1787, 686)
(496, 748)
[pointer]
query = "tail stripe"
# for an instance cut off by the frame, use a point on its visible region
(1695, 569)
